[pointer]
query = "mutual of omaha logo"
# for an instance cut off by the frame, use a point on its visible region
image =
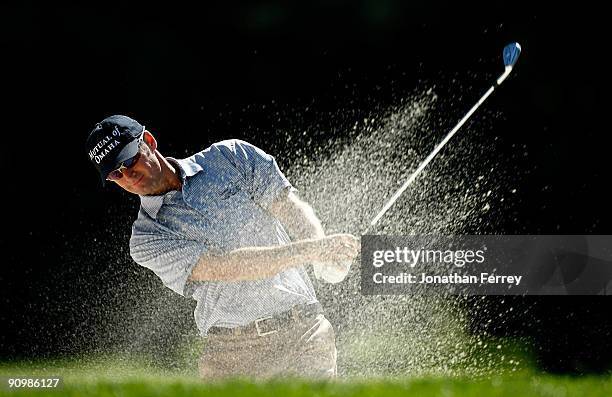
(104, 146)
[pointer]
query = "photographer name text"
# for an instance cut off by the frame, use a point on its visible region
(412, 258)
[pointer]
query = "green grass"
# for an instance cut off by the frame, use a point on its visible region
(131, 379)
(514, 387)
(490, 367)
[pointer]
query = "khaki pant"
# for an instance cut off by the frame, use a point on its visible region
(302, 349)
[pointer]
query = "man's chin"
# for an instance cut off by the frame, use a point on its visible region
(140, 191)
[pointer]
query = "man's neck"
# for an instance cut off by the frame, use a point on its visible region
(172, 175)
(174, 181)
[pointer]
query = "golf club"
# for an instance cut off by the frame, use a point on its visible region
(510, 54)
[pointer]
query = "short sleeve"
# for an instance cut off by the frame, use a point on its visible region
(264, 178)
(170, 257)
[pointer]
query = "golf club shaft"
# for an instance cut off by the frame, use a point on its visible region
(438, 148)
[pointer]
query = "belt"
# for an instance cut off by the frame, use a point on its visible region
(271, 324)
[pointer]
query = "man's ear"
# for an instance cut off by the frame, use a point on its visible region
(150, 140)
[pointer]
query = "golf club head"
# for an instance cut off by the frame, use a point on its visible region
(511, 53)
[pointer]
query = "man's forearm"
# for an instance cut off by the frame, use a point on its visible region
(299, 218)
(307, 224)
(252, 263)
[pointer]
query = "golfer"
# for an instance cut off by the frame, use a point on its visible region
(225, 227)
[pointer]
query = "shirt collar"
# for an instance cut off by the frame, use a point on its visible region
(187, 168)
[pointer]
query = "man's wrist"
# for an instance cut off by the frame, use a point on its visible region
(303, 250)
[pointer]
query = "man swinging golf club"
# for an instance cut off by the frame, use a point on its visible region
(216, 227)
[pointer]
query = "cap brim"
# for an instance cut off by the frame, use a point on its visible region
(127, 152)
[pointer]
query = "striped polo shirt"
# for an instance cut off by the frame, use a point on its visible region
(222, 206)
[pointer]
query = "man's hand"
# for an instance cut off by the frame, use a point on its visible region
(330, 256)
(335, 249)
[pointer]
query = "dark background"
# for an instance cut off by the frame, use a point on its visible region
(197, 75)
